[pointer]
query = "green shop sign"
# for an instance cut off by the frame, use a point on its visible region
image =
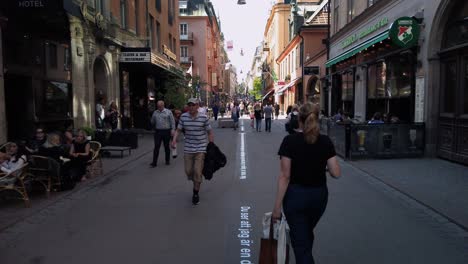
(362, 34)
(404, 32)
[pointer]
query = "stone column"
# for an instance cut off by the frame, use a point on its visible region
(81, 65)
(360, 96)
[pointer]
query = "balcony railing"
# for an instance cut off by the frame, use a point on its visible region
(187, 59)
(187, 37)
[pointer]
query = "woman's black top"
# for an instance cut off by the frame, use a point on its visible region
(308, 161)
(258, 114)
(80, 147)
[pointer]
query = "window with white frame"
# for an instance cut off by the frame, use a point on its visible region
(183, 31)
(183, 51)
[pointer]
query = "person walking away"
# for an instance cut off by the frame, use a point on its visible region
(215, 111)
(197, 134)
(302, 190)
(268, 112)
(258, 116)
(292, 124)
(276, 110)
(241, 108)
(163, 124)
(235, 113)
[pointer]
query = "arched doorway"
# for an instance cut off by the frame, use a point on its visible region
(452, 135)
(313, 90)
(101, 88)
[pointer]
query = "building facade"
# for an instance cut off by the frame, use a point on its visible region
(62, 56)
(202, 47)
(404, 58)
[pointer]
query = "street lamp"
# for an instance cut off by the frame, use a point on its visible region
(241, 2)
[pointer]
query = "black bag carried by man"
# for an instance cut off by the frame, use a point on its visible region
(214, 160)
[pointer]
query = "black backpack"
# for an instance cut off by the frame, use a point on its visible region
(293, 123)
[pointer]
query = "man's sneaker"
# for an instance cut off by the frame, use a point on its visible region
(153, 165)
(195, 199)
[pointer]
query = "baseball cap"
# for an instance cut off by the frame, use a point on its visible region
(193, 101)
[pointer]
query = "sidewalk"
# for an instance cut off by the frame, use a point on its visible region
(12, 211)
(436, 183)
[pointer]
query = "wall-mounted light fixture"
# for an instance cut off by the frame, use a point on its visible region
(241, 2)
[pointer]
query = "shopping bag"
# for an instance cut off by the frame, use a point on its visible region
(174, 152)
(283, 248)
(269, 242)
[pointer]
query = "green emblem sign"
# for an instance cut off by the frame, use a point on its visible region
(404, 32)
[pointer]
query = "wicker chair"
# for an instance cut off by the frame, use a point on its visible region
(94, 166)
(3, 147)
(46, 171)
(15, 181)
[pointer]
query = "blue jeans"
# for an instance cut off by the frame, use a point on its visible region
(268, 124)
(303, 207)
(259, 124)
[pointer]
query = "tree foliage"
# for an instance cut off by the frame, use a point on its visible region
(257, 88)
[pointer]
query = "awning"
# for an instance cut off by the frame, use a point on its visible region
(268, 93)
(287, 86)
(355, 50)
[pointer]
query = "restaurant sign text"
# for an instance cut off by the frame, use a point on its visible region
(367, 31)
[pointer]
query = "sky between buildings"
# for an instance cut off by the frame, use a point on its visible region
(244, 25)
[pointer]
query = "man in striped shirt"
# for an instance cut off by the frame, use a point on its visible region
(164, 126)
(197, 134)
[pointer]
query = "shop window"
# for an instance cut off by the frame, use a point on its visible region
(54, 100)
(398, 77)
(347, 92)
(389, 87)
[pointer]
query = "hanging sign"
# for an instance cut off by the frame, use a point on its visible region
(404, 32)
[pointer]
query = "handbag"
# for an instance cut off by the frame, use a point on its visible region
(269, 249)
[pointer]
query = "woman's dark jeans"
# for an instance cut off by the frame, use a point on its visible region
(303, 207)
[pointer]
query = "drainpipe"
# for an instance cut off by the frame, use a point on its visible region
(302, 61)
(147, 25)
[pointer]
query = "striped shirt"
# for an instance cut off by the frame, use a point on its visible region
(163, 119)
(196, 136)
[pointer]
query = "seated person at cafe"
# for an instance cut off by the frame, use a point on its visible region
(16, 158)
(376, 119)
(55, 150)
(38, 140)
(80, 154)
(52, 148)
(67, 140)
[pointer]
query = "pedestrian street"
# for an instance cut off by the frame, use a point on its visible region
(139, 214)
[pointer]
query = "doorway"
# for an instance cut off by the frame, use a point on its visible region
(453, 115)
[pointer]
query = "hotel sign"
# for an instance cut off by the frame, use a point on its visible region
(364, 33)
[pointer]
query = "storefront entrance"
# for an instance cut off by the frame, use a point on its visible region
(452, 133)
(453, 117)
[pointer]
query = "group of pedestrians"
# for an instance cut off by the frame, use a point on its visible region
(197, 132)
(305, 156)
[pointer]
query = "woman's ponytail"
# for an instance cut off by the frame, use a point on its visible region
(308, 114)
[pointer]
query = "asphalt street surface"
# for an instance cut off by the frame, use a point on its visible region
(144, 215)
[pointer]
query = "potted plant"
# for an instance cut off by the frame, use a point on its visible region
(89, 132)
